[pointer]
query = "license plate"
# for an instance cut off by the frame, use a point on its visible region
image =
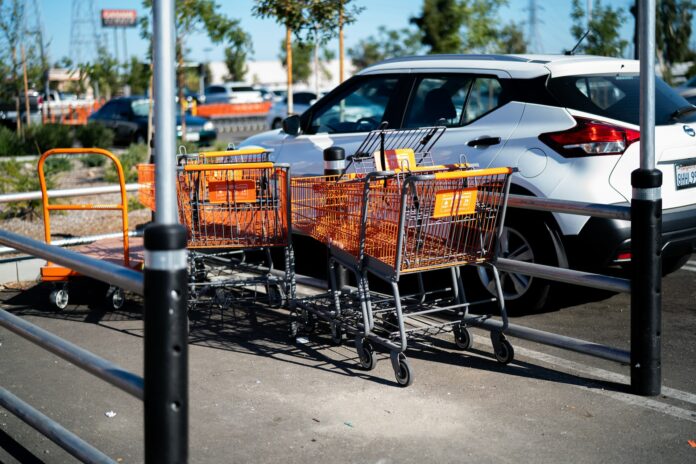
(685, 174)
(193, 136)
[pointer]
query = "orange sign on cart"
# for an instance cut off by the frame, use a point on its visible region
(454, 202)
(244, 191)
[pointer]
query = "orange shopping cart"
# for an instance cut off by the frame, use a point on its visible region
(231, 210)
(394, 224)
(122, 250)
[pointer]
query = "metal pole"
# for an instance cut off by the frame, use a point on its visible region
(166, 324)
(334, 165)
(646, 228)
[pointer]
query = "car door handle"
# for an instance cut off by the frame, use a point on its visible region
(484, 142)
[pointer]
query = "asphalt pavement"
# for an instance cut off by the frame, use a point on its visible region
(256, 396)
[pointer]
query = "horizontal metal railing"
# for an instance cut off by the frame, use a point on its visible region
(119, 276)
(113, 374)
(75, 192)
(58, 434)
(570, 207)
(99, 367)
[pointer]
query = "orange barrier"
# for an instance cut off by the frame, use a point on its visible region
(217, 110)
(72, 116)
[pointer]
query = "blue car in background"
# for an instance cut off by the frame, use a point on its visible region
(127, 117)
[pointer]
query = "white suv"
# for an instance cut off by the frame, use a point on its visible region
(568, 123)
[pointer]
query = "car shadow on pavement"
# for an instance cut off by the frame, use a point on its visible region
(259, 330)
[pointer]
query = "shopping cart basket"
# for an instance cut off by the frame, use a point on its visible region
(119, 250)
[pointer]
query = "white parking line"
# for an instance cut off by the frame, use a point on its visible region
(602, 374)
(689, 268)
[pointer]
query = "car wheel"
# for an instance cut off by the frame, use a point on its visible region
(529, 241)
(277, 123)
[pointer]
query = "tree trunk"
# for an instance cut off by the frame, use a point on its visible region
(180, 84)
(341, 75)
(316, 64)
(26, 88)
(288, 53)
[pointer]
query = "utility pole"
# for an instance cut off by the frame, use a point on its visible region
(533, 38)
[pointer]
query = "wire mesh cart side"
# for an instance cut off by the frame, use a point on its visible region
(242, 155)
(390, 149)
(114, 250)
(228, 211)
(414, 224)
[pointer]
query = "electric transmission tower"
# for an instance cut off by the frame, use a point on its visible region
(533, 39)
(84, 37)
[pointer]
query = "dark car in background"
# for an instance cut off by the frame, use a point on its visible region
(127, 117)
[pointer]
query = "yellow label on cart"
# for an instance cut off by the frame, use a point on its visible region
(399, 159)
(238, 191)
(455, 202)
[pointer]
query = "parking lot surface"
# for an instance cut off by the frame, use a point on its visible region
(256, 396)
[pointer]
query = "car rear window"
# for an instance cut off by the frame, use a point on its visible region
(616, 96)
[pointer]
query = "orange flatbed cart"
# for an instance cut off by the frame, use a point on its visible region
(122, 250)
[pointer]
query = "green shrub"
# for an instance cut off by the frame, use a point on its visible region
(17, 177)
(93, 160)
(40, 138)
(94, 135)
(10, 144)
(129, 160)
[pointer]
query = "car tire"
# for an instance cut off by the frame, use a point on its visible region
(527, 239)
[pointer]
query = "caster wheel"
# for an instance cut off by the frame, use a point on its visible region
(117, 298)
(293, 330)
(366, 354)
(59, 298)
(462, 337)
(404, 376)
(504, 353)
(336, 335)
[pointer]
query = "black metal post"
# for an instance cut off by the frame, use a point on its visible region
(166, 344)
(334, 165)
(646, 282)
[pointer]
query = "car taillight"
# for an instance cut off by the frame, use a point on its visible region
(590, 138)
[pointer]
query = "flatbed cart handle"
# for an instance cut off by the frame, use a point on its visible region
(123, 206)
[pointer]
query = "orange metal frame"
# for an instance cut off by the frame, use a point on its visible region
(57, 273)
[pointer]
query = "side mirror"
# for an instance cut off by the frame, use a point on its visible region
(291, 125)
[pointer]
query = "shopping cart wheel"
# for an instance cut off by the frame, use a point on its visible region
(116, 298)
(336, 334)
(308, 321)
(502, 348)
(293, 329)
(59, 298)
(402, 369)
(366, 353)
(462, 337)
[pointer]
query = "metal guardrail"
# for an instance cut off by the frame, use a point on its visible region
(75, 192)
(570, 207)
(78, 240)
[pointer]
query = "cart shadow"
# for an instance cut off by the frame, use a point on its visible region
(258, 330)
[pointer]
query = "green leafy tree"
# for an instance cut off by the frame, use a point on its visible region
(235, 59)
(11, 23)
(195, 17)
(385, 44)
(103, 73)
(138, 76)
(481, 25)
(511, 39)
(604, 38)
(301, 62)
(673, 33)
(441, 21)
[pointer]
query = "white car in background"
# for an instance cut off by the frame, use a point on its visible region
(232, 92)
(301, 101)
(569, 124)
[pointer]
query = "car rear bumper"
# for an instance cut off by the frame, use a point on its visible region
(607, 242)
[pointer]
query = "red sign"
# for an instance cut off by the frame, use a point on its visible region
(118, 18)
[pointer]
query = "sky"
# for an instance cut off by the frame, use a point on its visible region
(553, 28)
